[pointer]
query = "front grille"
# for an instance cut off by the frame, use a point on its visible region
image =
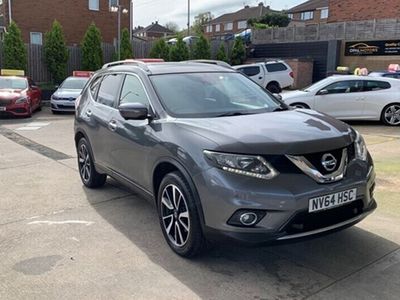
(282, 164)
(19, 110)
(71, 107)
(305, 221)
(66, 99)
(5, 102)
(316, 160)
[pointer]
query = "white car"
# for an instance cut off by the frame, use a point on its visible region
(272, 75)
(351, 98)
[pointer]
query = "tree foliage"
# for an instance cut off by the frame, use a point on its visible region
(92, 54)
(273, 19)
(172, 26)
(126, 46)
(56, 53)
(202, 48)
(238, 55)
(15, 55)
(200, 21)
(179, 51)
(160, 50)
(221, 54)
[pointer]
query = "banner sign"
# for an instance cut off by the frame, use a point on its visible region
(373, 48)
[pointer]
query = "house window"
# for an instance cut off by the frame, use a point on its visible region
(307, 15)
(228, 26)
(218, 28)
(324, 13)
(290, 16)
(36, 38)
(209, 28)
(242, 24)
(94, 5)
(113, 3)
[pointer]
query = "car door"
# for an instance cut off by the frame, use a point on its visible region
(343, 99)
(34, 93)
(101, 114)
(377, 94)
(255, 73)
(133, 139)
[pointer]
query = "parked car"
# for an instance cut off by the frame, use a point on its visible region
(19, 96)
(273, 75)
(63, 99)
(386, 74)
(350, 97)
(219, 156)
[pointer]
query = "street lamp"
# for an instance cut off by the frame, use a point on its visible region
(120, 10)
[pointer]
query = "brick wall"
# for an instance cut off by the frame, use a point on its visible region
(74, 16)
(358, 10)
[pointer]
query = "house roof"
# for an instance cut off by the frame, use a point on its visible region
(245, 13)
(309, 6)
(154, 27)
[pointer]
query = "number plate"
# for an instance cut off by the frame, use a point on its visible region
(332, 200)
(2, 108)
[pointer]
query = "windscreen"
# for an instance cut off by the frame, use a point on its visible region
(74, 83)
(13, 83)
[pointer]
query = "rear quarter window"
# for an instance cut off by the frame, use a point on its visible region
(372, 85)
(276, 67)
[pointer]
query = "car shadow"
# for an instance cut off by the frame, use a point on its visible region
(292, 270)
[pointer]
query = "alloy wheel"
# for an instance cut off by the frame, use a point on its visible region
(175, 215)
(85, 167)
(392, 114)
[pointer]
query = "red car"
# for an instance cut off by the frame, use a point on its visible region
(19, 96)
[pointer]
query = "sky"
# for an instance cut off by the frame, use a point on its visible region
(163, 11)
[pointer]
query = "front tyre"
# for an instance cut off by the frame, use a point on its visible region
(89, 176)
(179, 218)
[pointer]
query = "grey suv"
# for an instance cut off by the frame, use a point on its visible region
(219, 156)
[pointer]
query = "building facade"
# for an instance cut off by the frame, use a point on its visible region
(309, 12)
(151, 32)
(236, 22)
(360, 10)
(35, 18)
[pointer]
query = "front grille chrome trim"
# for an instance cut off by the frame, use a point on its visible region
(309, 169)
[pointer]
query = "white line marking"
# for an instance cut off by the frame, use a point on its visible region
(87, 223)
(27, 128)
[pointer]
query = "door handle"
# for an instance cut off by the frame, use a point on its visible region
(89, 113)
(112, 125)
(361, 99)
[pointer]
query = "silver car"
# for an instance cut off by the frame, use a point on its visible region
(63, 100)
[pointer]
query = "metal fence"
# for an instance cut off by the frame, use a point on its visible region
(350, 31)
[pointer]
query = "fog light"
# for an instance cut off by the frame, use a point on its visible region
(246, 218)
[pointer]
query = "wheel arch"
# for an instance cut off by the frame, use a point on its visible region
(386, 106)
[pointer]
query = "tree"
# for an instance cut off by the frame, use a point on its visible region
(200, 20)
(238, 55)
(172, 26)
(179, 51)
(221, 54)
(273, 19)
(15, 56)
(160, 50)
(56, 53)
(126, 46)
(92, 54)
(202, 49)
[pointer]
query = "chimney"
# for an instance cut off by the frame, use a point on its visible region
(156, 22)
(261, 4)
(246, 6)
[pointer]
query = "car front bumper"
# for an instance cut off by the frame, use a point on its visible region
(285, 200)
(18, 110)
(62, 105)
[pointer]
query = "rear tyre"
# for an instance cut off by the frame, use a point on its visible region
(274, 88)
(89, 176)
(178, 215)
(391, 115)
(300, 105)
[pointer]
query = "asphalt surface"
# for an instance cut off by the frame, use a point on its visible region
(59, 240)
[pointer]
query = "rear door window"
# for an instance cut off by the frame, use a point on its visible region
(372, 85)
(94, 86)
(250, 71)
(276, 67)
(109, 89)
(344, 87)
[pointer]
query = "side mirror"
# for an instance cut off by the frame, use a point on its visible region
(278, 96)
(323, 92)
(134, 111)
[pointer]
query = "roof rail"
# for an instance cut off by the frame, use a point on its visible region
(134, 62)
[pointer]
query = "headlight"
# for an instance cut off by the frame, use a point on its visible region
(248, 165)
(55, 97)
(360, 147)
(21, 100)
